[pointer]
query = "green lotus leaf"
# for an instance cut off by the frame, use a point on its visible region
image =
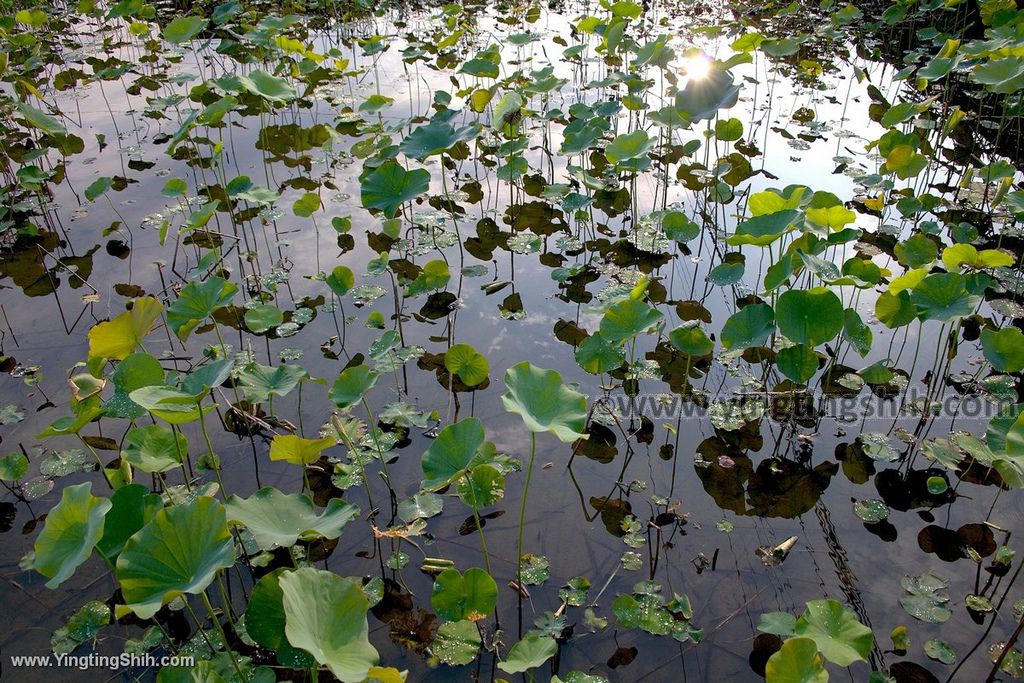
(267, 86)
(691, 339)
(435, 137)
(748, 327)
(265, 622)
(481, 486)
(277, 519)
(435, 275)
(389, 186)
(458, 596)
(263, 317)
(170, 404)
(916, 251)
(762, 230)
(834, 628)
(132, 507)
(341, 280)
(463, 360)
(702, 98)
(529, 653)
(73, 528)
(451, 453)
(179, 551)
(798, 362)
(811, 316)
(943, 297)
(422, 505)
(98, 188)
(41, 120)
(306, 205)
(544, 402)
(325, 615)
(797, 661)
(596, 355)
(1004, 348)
(856, 331)
(134, 372)
(259, 382)
(1003, 76)
(352, 384)
(629, 146)
(457, 643)
(895, 310)
(196, 302)
(627, 319)
(155, 448)
(183, 29)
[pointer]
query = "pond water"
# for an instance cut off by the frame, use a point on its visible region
(253, 146)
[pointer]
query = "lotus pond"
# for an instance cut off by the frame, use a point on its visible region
(571, 342)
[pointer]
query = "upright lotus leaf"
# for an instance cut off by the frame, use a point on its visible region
(691, 339)
(435, 138)
(73, 528)
(389, 186)
(325, 615)
(132, 506)
(352, 384)
(38, 118)
(943, 297)
(834, 628)
(456, 596)
(957, 255)
(702, 98)
(810, 316)
(267, 86)
(207, 376)
(798, 362)
(895, 310)
(451, 453)
(265, 621)
(470, 366)
(171, 404)
(259, 382)
(748, 327)
(341, 280)
(183, 29)
(482, 486)
(797, 661)
(629, 146)
(155, 448)
(764, 229)
(529, 653)
(196, 302)
(627, 319)
(916, 251)
(118, 338)
(544, 402)
(434, 275)
(179, 551)
(834, 216)
(1004, 348)
(134, 372)
(280, 520)
(296, 450)
(857, 332)
(596, 355)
